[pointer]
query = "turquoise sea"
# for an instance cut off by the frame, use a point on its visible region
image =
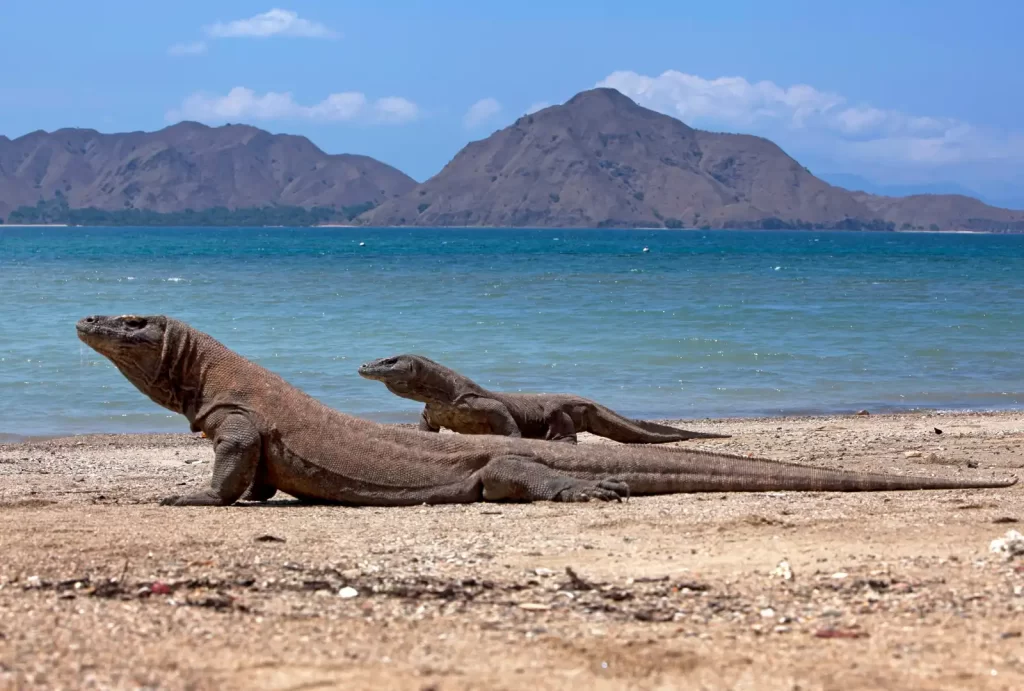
(703, 323)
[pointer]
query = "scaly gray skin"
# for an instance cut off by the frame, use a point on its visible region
(460, 404)
(268, 436)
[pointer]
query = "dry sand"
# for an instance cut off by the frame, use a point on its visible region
(100, 587)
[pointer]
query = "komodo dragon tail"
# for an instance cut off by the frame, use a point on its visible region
(652, 470)
(607, 423)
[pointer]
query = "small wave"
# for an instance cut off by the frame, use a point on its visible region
(175, 279)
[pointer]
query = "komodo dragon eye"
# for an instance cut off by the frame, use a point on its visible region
(135, 323)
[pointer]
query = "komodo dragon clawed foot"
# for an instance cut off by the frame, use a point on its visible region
(604, 490)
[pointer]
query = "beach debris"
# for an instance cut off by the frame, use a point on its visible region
(863, 412)
(534, 606)
(840, 575)
(912, 454)
(159, 588)
(782, 570)
(270, 538)
(654, 615)
(692, 587)
(1010, 545)
(1004, 519)
(972, 464)
(542, 572)
(348, 592)
(840, 633)
(937, 430)
(577, 582)
(767, 613)
(218, 600)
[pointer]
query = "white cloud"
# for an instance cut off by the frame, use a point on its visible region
(276, 22)
(396, 109)
(181, 49)
(801, 116)
(245, 104)
(481, 111)
(534, 107)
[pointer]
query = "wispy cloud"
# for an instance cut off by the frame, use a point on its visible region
(480, 112)
(534, 107)
(276, 22)
(245, 104)
(185, 49)
(396, 109)
(801, 115)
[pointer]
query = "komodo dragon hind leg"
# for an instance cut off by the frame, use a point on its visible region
(500, 420)
(520, 478)
(237, 455)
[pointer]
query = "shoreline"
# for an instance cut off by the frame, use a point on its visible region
(525, 228)
(11, 438)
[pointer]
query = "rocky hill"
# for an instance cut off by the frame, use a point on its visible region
(598, 160)
(601, 160)
(187, 166)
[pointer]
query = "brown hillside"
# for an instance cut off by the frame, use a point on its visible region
(187, 166)
(601, 160)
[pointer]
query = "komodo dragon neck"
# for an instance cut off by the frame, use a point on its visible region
(435, 384)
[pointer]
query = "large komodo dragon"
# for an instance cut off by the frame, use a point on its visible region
(268, 435)
(460, 404)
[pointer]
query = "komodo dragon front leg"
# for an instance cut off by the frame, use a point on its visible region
(425, 424)
(261, 489)
(497, 415)
(560, 426)
(236, 446)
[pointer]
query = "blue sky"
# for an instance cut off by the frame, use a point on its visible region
(897, 93)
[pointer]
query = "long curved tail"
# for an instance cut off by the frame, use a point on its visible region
(607, 423)
(667, 471)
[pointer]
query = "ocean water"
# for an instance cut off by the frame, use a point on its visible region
(714, 323)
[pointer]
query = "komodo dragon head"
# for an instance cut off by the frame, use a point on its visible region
(137, 345)
(412, 376)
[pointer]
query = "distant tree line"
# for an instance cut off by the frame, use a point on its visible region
(57, 211)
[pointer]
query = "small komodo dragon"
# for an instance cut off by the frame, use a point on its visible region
(268, 435)
(460, 404)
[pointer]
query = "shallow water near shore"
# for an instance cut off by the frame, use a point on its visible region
(703, 324)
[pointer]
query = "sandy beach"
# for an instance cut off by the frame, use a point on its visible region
(102, 588)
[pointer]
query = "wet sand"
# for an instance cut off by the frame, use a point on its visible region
(100, 587)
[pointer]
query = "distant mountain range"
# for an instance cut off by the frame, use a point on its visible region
(187, 166)
(598, 160)
(857, 183)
